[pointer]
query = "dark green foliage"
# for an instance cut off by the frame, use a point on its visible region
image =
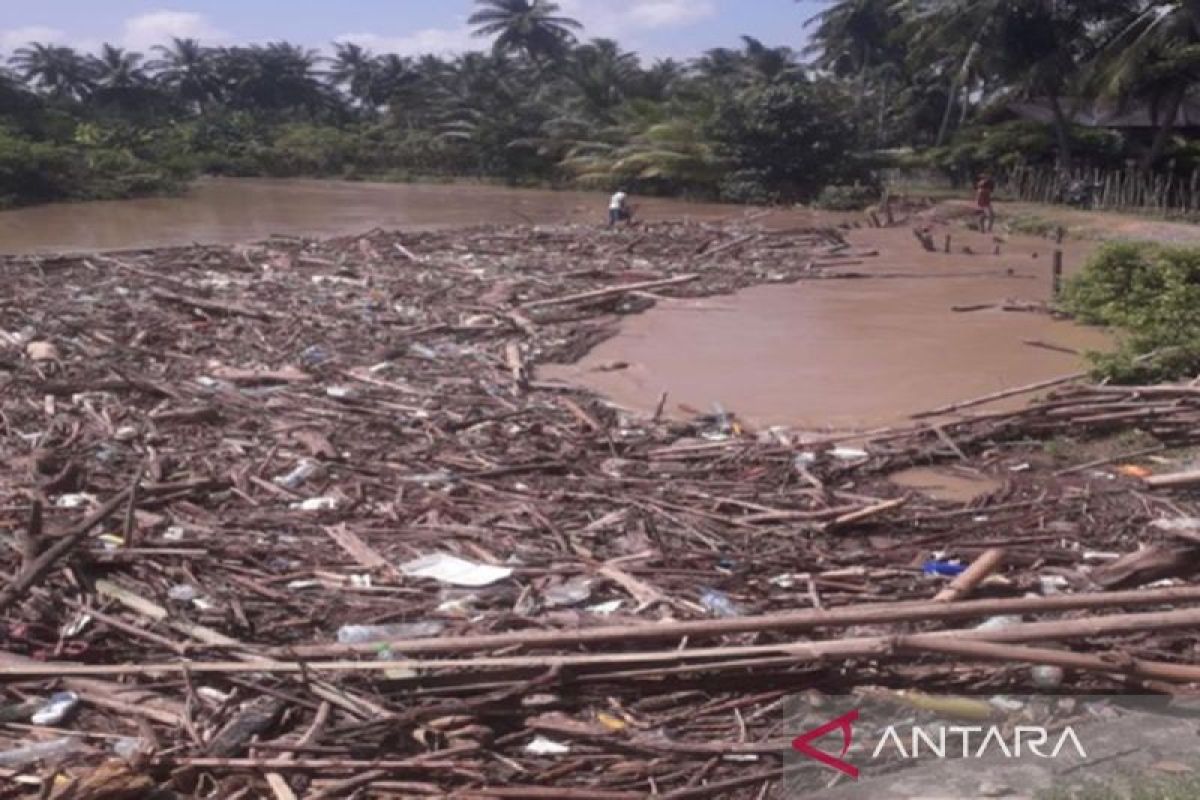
(994, 147)
(788, 140)
(1150, 294)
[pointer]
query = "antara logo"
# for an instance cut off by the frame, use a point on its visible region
(844, 723)
(949, 742)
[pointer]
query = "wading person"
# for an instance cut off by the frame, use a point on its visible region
(618, 208)
(984, 189)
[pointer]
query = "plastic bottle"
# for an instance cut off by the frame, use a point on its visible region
(39, 751)
(718, 604)
(57, 708)
(361, 634)
(296, 478)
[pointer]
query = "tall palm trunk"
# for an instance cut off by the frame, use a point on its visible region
(1062, 131)
(1166, 126)
(1192, 7)
(956, 85)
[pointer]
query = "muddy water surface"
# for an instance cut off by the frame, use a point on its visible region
(240, 210)
(848, 354)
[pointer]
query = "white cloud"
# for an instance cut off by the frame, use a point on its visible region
(14, 38)
(159, 27)
(439, 41)
(670, 13)
(615, 18)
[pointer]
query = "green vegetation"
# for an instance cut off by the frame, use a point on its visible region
(934, 79)
(1150, 294)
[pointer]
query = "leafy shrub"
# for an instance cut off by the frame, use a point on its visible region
(855, 197)
(788, 141)
(1151, 294)
(1006, 145)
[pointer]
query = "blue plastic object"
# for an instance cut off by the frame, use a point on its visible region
(944, 569)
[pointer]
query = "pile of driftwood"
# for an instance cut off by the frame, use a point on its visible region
(300, 520)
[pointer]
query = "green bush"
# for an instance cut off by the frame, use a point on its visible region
(855, 197)
(1151, 294)
(1009, 144)
(788, 141)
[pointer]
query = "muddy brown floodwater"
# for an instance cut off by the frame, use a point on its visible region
(228, 211)
(827, 355)
(849, 354)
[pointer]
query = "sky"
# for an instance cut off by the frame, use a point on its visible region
(654, 28)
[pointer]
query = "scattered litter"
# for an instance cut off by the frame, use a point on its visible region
(42, 351)
(58, 708)
(455, 571)
(358, 634)
(570, 593)
(943, 569)
(719, 604)
(316, 504)
(541, 746)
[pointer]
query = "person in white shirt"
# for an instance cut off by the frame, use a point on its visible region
(618, 208)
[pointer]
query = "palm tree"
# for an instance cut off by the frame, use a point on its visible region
(118, 69)
(275, 77)
(654, 144)
(186, 68)
(60, 71)
(603, 75)
(1031, 48)
(762, 63)
(532, 27)
(355, 68)
(854, 36)
(1153, 59)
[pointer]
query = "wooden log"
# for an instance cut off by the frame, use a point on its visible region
(1175, 480)
(991, 398)
(708, 659)
(1120, 664)
(611, 291)
(34, 571)
(969, 580)
(799, 621)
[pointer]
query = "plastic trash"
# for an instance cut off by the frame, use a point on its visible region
(804, 460)
(718, 604)
(39, 751)
(183, 592)
(74, 500)
(127, 747)
(849, 453)
(455, 571)
(313, 356)
(569, 593)
(340, 392)
(1047, 677)
(359, 634)
(1053, 584)
(605, 609)
(41, 351)
(316, 504)
(57, 709)
(296, 478)
(996, 623)
(943, 568)
(421, 351)
(541, 746)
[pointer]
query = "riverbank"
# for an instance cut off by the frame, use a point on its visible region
(238, 453)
